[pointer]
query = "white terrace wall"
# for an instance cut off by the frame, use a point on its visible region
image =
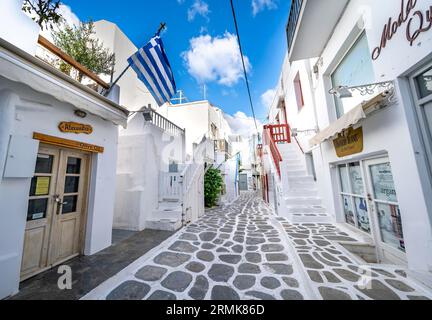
(194, 117)
(144, 151)
(133, 94)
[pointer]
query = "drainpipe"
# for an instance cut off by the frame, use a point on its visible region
(8, 101)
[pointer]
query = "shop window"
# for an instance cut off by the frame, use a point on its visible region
(299, 92)
(355, 69)
(424, 83)
(353, 196)
(386, 202)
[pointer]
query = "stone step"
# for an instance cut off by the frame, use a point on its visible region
(295, 167)
(297, 173)
(317, 209)
(311, 218)
(164, 224)
(303, 201)
(302, 193)
(303, 178)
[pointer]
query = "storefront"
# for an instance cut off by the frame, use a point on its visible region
(373, 151)
(58, 147)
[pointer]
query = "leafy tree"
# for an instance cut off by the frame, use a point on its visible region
(81, 44)
(213, 183)
(45, 12)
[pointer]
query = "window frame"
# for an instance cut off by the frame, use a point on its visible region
(298, 89)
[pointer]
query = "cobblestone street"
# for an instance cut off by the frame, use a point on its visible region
(243, 251)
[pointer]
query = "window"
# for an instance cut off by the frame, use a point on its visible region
(353, 196)
(387, 207)
(355, 69)
(424, 83)
(298, 92)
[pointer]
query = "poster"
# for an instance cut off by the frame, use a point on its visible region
(383, 184)
(391, 225)
(356, 179)
(42, 186)
(362, 214)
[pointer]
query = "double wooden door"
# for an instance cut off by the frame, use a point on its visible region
(56, 209)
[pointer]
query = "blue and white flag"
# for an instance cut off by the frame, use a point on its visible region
(152, 67)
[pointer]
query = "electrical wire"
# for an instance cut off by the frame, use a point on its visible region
(244, 66)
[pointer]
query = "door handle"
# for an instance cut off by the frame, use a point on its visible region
(59, 202)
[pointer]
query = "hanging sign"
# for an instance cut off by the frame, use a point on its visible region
(415, 22)
(349, 142)
(77, 128)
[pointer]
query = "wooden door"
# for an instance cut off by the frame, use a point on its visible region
(56, 211)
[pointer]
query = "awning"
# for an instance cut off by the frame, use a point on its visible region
(347, 120)
(352, 117)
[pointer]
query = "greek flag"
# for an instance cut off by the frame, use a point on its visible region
(152, 67)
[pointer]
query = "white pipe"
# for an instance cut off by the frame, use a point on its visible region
(8, 101)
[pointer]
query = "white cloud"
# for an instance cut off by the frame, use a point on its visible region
(199, 7)
(267, 98)
(261, 5)
(67, 14)
(242, 125)
(215, 59)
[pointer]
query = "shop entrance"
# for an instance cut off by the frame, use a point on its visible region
(56, 210)
(385, 211)
(370, 203)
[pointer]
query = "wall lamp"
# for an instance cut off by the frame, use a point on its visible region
(80, 114)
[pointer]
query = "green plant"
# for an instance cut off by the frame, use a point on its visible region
(44, 12)
(81, 44)
(213, 184)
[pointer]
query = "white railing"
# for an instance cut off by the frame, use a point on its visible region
(170, 186)
(193, 193)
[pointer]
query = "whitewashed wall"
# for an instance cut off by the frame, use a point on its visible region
(36, 112)
(144, 151)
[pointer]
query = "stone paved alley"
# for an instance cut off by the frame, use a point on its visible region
(243, 251)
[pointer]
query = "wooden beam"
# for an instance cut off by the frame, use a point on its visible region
(67, 58)
(72, 144)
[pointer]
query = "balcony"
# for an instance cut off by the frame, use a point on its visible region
(310, 25)
(223, 146)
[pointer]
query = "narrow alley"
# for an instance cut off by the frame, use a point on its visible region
(243, 251)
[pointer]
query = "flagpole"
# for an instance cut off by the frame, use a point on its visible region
(157, 34)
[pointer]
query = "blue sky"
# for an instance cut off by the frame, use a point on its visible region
(200, 46)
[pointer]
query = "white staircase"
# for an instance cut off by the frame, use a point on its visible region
(300, 203)
(180, 198)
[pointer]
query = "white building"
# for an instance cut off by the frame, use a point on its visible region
(203, 120)
(58, 151)
(369, 144)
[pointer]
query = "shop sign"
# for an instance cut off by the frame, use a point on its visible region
(56, 141)
(349, 142)
(74, 127)
(416, 23)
